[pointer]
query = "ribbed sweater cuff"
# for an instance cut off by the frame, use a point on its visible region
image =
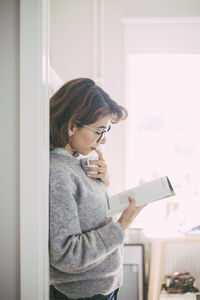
(113, 235)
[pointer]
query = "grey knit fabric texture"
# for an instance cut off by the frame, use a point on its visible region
(85, 245)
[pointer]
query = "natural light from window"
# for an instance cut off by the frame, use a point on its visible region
(162, 135)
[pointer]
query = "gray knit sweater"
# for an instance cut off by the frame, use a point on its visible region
(85, 245)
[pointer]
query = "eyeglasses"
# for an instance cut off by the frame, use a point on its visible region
(101, 134)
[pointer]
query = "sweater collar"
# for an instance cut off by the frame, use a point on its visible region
(61, 151)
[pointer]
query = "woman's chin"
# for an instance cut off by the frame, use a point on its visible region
(86, 152)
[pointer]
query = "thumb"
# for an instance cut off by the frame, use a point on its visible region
(131, 200)
(100, 154)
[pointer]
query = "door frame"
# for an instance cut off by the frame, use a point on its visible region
(34, 149)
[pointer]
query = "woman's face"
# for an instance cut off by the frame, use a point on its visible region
(84, 139)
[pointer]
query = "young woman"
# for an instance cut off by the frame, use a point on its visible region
(85, 245)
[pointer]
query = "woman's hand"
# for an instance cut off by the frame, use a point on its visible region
(101, 169)
(129, 213)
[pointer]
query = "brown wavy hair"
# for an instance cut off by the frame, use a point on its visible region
(79, 100)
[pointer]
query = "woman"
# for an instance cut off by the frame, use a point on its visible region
(85, 245)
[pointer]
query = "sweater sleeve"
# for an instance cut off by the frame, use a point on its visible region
(71, 250)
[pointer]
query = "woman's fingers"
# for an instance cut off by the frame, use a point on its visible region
(129, 213)
(131, 200)
(139, 208)
(97, 162)
(100, 154)
(101, 168)
(96, 175)
(98, 169)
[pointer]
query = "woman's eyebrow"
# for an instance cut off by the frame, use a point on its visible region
(104, 127)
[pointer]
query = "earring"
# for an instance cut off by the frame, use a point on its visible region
(70, 139)
(75, 153)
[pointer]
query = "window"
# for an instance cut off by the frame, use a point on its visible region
(162, 97)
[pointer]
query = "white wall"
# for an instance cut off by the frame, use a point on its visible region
(71, 43)
(9, 157)
(72, 52)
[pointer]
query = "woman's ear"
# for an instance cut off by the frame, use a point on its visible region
(71, 128)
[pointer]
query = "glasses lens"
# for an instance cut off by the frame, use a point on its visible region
(103, 134)
(101, 137)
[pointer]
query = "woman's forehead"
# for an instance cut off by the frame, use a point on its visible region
(103, 122)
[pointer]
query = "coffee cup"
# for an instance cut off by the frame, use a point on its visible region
(85, 164)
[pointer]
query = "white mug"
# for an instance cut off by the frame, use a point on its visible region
(85, 163)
